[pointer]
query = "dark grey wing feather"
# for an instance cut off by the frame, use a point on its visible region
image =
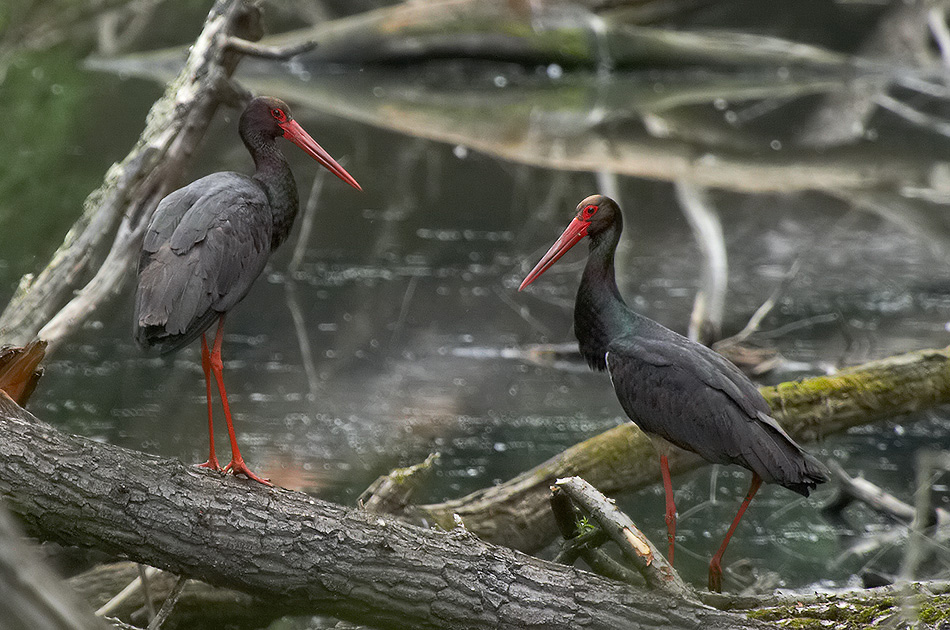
(695, 399)
(204, 248)
(169, 214)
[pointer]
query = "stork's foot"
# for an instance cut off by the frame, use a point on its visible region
(238, 467)
(211, 464)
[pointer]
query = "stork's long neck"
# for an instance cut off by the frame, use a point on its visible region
(275, 177)
(600, 314)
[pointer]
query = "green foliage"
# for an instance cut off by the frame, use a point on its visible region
(41, 103)
(42, 99)
(935, 611)
(584, 525)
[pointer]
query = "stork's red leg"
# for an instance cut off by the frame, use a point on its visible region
(715, 565)
(670, 505)
(237, 464)
(212, 462)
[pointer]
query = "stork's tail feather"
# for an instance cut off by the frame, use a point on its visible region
(813, 472)
(777, 458)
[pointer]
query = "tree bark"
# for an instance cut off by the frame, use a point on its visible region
(516, 514)
(303, 552)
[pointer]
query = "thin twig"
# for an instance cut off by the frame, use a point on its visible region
(522, 312)
(756, 320)
(306, 222)
(169, 604)
(125, 593)
(290, 286)
(922, 119)
(404, 308)
(149, 604)
(860, 489)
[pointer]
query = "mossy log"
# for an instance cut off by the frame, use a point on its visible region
(901, 607)
(516, 513)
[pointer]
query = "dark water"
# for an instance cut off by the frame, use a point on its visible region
(407, 309)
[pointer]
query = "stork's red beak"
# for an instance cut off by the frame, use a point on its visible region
(571, 236)
(295, 133)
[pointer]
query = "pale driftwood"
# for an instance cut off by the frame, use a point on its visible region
(561, 134)
(302, 552)
(705, 322)
(860, 489)
(636, 547)
(900, 37)
(515, 513)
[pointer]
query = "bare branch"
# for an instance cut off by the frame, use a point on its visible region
(251, 49)
(635, 546)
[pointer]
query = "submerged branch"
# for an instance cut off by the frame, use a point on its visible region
(554, 31)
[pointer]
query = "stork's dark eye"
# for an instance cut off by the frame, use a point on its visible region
(278, 115)
(588, 211)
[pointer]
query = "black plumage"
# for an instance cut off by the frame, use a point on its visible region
(208, 242)
(671, 387)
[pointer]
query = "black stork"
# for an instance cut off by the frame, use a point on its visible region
(207, 243)
(677, 391)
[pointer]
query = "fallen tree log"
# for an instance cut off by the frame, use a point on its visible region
(305, 556)
(516, 514)
(305, 553)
